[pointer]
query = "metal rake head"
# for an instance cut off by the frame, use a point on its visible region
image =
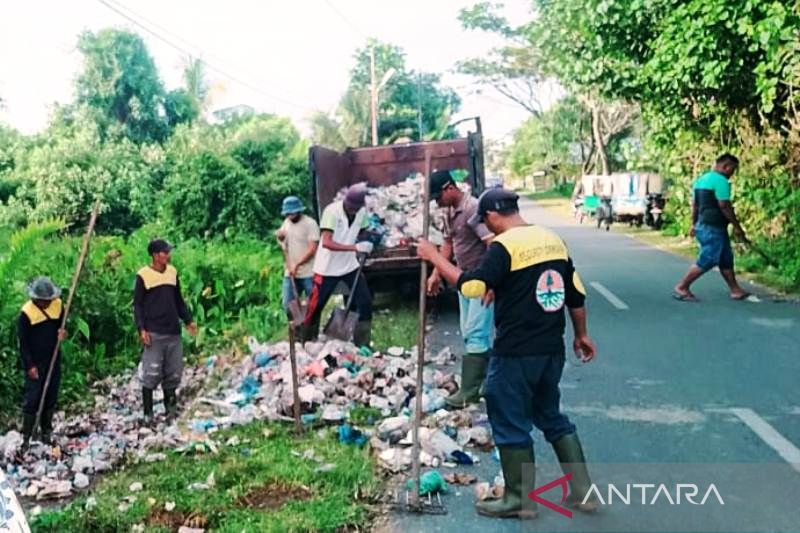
(424, 505)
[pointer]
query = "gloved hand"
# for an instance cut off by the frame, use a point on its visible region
(364, 247)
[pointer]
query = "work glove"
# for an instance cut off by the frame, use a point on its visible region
(364, 247)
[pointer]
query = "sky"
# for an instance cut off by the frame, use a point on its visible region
(288, 57)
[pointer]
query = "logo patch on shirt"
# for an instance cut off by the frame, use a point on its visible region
(550, 291)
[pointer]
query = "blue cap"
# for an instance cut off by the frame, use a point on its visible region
(292, 205)
(496, 199)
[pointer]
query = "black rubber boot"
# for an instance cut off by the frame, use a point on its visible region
(512, 504)
(570, 454)
(473, 372)
(28, 423)
(47, 426)
(147, 404)
(171, 403)
(362, 336)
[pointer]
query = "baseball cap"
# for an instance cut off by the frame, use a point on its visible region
(497, 199)
(157, 246)
(439, 180)
(355, 197)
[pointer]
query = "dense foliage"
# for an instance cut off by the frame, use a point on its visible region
(158, 170)
(673, 83)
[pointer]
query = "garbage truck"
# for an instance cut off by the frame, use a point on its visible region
(381, 166)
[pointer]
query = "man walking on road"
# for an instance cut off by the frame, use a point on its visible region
(158, 309)
(532, 275)
(712, 211)
(298, 236)
(468, 243)
(341, 224)
(38, 332)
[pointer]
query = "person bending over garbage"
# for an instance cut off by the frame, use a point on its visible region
(534, 281)
(341, 225)
(38, 331)
(158, 308)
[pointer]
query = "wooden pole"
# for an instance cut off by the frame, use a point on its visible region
(73, 286)
(298, 425)
(423, 278)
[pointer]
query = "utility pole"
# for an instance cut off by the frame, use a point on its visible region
(373, 96)
(419, 105)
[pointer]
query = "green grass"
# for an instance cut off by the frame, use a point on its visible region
(397, 327)
(259, 461)
(552, 194)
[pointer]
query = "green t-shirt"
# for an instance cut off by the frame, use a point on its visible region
(709, 189)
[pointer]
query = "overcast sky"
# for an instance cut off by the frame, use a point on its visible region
(295, 53)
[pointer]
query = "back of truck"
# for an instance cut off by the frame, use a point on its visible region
(382, 166)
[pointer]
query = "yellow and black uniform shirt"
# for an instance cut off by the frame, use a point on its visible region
(533, 278)
(37, 331)
(158, 305)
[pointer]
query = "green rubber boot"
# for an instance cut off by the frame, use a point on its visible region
(512, 504)
(473, 372)
(570, 454)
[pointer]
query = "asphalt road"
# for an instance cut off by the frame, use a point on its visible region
(710, 388)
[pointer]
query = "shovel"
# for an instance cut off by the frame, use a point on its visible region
(342, 323)
(297, 307)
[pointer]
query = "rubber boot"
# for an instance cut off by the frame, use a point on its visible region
(28, 423)
(171, 403)
(512, 504)
(147, 404)
(570, 454)
(362, 336)
(473, 372)
(47, 427)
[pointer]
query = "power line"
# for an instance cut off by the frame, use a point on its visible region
(199, 49)
(346, 20)
(207, 64)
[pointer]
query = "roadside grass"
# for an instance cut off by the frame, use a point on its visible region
(748, 265)
(395, 321)
(260, 484)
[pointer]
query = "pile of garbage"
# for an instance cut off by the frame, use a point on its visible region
(90, 443)
(395, 214)
(336, 380)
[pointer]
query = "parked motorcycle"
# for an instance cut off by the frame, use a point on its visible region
(654, 211)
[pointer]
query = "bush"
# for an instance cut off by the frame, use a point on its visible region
(232, 287)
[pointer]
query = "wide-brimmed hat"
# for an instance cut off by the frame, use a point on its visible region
(42, 288)
(291, 206)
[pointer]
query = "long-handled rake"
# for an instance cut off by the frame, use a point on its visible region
(412, 503)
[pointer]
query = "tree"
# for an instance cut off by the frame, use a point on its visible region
(512, 70)
(196, 84)
(120, 84)
(399, 102)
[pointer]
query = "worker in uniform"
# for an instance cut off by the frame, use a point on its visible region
(39, 331)
(534, 280)
(341, 225)
(467, 243)
(158, 309)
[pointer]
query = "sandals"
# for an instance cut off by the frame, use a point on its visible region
(684, 297)
(744, 296)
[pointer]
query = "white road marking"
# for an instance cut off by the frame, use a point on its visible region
(767, 433)
(610, 296)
